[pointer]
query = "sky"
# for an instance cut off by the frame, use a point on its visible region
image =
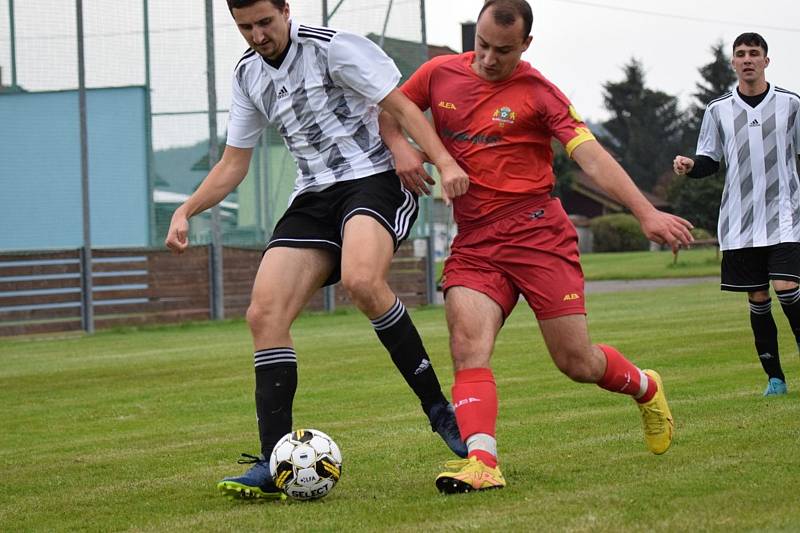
(578, 44)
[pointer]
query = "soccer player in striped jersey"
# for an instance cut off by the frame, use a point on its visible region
(497, 115)
(348, 213)
(756, 128)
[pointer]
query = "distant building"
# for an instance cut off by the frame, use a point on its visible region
(9, 88)
(409, 55)
(586, 199)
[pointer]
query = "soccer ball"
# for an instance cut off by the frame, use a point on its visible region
(305, 464)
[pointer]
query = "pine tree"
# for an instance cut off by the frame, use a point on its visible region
(718, 78)
(698, 200)
(645, 128)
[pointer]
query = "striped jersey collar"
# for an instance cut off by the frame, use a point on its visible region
(744, 103)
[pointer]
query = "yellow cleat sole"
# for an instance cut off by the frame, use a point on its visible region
(449, 485)
(237, 491)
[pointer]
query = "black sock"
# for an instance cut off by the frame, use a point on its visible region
(276, 383)
(401, 339)
(790, 302)
(766, 335)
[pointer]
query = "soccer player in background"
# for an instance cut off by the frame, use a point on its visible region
(497, 115)
(756, 128)
(348, 212)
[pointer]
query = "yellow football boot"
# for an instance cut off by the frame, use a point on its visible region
(657, 418)
(467, 475)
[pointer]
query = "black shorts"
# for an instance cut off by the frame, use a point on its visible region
(317, 219)
(750, 269)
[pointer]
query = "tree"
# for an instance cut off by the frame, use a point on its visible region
(718, 78)
(646, 127)
(564, 169)
(698, 200)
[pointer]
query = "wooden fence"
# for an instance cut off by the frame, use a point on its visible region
(40, 292)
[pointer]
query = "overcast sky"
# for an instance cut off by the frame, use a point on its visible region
(577, 44)
(580, 45)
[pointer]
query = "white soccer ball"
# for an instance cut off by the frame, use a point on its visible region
(305, 464)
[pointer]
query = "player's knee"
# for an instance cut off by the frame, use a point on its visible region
(576, 367)
(362, 286)
(263, 315)
(468, 350)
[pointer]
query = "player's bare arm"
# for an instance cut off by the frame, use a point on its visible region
(657, 226)
(454, 180)
(409, 161)
(226, 175)
(682, 165)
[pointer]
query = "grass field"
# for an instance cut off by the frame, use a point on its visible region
(130, 430)
(695, 262)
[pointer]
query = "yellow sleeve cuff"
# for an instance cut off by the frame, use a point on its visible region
(583, 135)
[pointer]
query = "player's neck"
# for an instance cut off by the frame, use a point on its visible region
(753, 88)
(278, 60)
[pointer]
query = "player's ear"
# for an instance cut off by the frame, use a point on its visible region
(527, 42)
(766, 61)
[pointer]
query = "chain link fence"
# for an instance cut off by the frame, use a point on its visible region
(109, 113)
(146, 72)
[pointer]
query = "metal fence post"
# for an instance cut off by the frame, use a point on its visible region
(430, 273)
(329, 292)
(217, 280)
(329, 298)
(87, 286)
(148, 110)
(87, 301)
(430, 241)
(13, 37)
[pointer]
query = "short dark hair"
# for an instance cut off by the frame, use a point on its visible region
(506, 13)
(238, 4)
(751, 39)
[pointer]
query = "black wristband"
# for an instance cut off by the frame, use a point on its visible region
(703, 166)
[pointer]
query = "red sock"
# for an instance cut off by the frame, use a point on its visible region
(475, 400)
(624, 377)
(485, 457)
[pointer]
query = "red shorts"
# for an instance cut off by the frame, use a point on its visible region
(530, 250)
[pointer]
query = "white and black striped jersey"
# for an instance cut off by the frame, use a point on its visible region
(761, 199)
(323, 99)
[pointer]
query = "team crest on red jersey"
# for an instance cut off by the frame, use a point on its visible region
(504, 116)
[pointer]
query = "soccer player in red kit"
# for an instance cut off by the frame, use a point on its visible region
(497, 115)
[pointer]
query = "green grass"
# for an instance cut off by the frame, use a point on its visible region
(696, 262)
(130, 430)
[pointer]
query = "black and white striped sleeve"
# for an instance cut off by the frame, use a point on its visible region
(245, 121)
(358, 63)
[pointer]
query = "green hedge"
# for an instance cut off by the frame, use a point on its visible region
(701, 234)
(618, 233)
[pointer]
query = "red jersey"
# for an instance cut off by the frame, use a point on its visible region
(499, 132)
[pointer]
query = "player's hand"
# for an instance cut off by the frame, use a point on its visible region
(681, 165)
(178, 234)
(455, 181)
(667, 229)
(410, 167)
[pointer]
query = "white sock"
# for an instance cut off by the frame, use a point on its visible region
(482, 441)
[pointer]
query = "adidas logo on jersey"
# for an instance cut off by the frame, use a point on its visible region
(755, 123)
(283, 93)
